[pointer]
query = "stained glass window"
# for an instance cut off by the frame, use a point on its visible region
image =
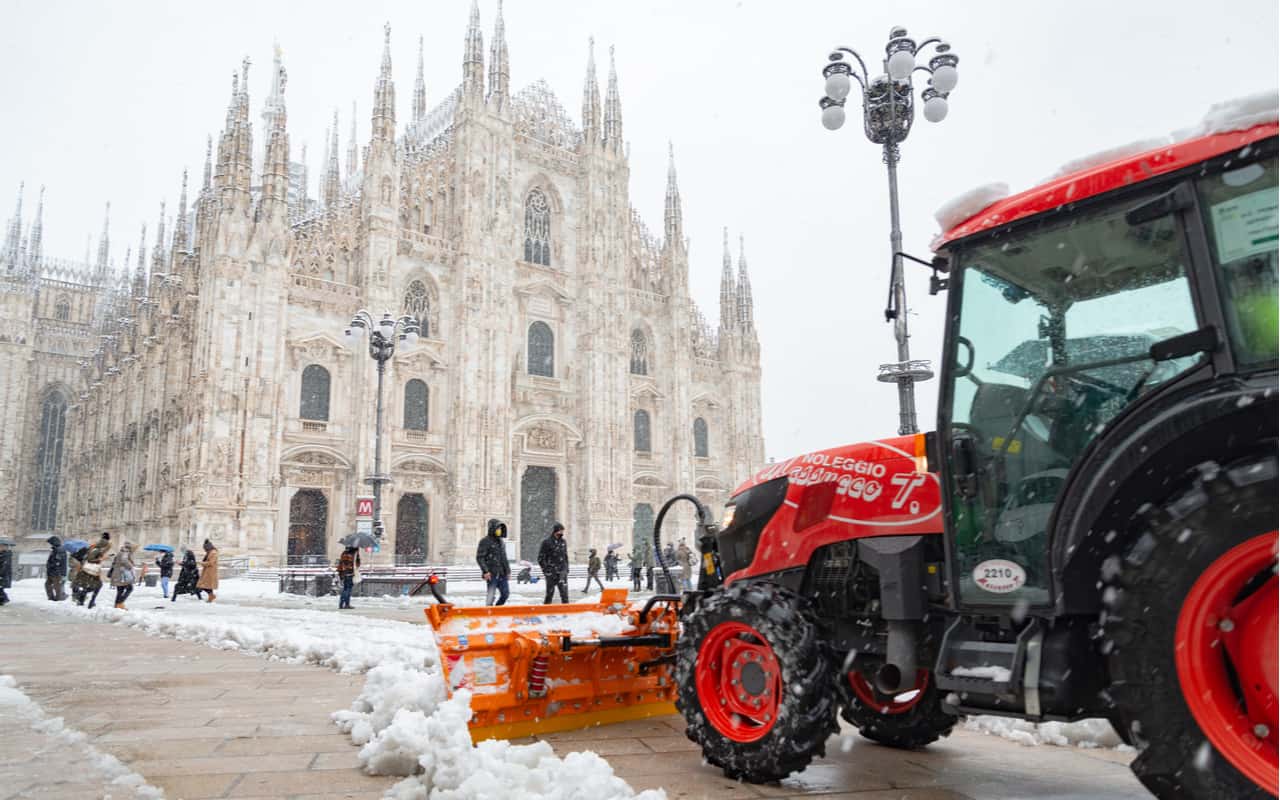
(701, 448)
(417, 303)
(644, 443)
(542, 359)
(44, 506)
(315, 393)
(537, 229)
(639, 353)
(415, 405)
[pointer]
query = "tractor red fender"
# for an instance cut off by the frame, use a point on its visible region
(877, 488)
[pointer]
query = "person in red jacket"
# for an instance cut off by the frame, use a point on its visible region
(348, 563)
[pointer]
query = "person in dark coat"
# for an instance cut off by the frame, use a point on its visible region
(553, 558)
(348, 563)
(55, 570)
(165, 563)
(491, 555)
(593, 572)
(6, 572)
(637, 568)
(188, 576)
(610, 566)
(89, 577)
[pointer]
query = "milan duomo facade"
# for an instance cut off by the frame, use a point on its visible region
(205, 390)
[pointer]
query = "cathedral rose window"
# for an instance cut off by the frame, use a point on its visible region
(537, 229)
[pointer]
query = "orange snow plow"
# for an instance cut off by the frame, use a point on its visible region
(544, 668)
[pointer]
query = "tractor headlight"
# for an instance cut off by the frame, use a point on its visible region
(728, 516)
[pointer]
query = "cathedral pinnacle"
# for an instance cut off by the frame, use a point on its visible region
(419, 90)
(140, 271)
(102, 267)
(13, 237)
(728, 291)
(331, 179)
(499, 69)
(613, 108)
(591, 97)
(746, 310)
(208, 163)
(34, 245)
(353, 152)
(384, 102)
(672, 215)
(158, 264)
(473, 55)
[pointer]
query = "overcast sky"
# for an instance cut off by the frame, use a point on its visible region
(110, 101)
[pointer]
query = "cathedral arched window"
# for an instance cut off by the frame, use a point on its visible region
(416, 404)
(643, 434)
(44, 503)
(315, 394)
(62, 311)
(417, 303)
(701, 448)
(537, 229)
(542, 350)
(639, 352)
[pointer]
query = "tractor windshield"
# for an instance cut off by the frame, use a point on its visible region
(1051, 344)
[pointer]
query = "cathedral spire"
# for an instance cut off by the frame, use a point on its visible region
(331, 181)
(103, 266)
(13, 237)
(591, 97)
(35, 244)
(140, 271)
(746, 309)
(613, 109)
(158, 261)
(180, 229)
(673, 220)
(353, 152)
(728, 291)
(275, 165)
(384, 99)
(235, 151)
(304, 179)
(419, 91)
(473, 55)
(208, 164)
(499, 70)
(273, 106)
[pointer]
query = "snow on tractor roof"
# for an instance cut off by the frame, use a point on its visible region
(1226, 126)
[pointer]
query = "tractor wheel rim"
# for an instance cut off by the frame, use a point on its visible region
(739, 682)
(1221, 633)
(900, 703)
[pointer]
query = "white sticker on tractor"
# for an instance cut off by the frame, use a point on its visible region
(485, 669)
(999, 576)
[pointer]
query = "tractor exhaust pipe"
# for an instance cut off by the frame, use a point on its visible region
(898, 673)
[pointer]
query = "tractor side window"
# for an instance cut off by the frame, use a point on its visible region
(1052, 344)
(1240, 208)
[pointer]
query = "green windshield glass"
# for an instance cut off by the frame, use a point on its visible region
(1053, 335)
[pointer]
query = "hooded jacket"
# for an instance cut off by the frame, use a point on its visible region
(491, 554)
(122, 573)
(553, 557)
(56, 565)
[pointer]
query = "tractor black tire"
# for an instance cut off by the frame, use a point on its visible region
(922, 724)
(1174, 543)
(806, 704)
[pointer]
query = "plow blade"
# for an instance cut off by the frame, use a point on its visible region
(543, 668)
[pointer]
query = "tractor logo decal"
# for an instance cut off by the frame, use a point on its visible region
(999, 576)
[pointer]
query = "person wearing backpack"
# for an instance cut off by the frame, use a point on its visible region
(348, 563)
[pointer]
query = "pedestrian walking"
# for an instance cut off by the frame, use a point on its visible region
(491, 555)
(553, 559)
(55, 570)
(637, 568)
(611, 566)
(89, 576)
(6, 572)
(188, 577)
(668, 555)
(648, 569)
(684, 555)
(593, 572)
(165, 564)
(348, 563)
(122, 574)
(209, 571)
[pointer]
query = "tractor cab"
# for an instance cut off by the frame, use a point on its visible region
(1064, 322)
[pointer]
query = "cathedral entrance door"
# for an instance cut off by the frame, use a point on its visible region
(411, 530)
(642, 528)
(308, 522)
(537, 509)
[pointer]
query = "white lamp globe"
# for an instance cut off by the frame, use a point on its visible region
(838, 86)
(945, 78)
(901, 63)
(411, 337)
(833, 117)
(935, 109)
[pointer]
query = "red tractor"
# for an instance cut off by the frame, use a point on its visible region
(1091, 531)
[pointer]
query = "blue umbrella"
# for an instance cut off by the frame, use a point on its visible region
(72, 545)
(159, 548)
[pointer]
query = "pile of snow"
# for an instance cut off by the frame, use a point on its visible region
(1110, 154)
(1236, 115)
(578, 625)
(969, 204)
(54, 742)
(1082, 733)
(989, 672)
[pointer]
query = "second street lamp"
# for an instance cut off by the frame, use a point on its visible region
(383, 339)
(887, 113)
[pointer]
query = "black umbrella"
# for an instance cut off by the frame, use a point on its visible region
(359, 539)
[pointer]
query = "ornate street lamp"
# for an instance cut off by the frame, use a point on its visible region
(384, 335)
(887, 114)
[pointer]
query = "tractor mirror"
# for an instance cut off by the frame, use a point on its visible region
(1204, 340)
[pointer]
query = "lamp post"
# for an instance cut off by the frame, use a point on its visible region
(383, 334)
(887, 114)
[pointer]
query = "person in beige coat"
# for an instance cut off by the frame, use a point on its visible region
(209, 573)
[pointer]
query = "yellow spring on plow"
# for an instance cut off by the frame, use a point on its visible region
(545, 668)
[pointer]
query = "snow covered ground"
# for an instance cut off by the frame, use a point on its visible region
(50, 741)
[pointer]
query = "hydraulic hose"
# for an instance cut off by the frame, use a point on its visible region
(657, 529)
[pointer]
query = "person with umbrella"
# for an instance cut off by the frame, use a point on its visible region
(348, 563)
(610, 564)
(209, 573)
(553, 559)
(491, 555)
(188, 577)
(164, 562)
(55, 570)
(6, 569)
